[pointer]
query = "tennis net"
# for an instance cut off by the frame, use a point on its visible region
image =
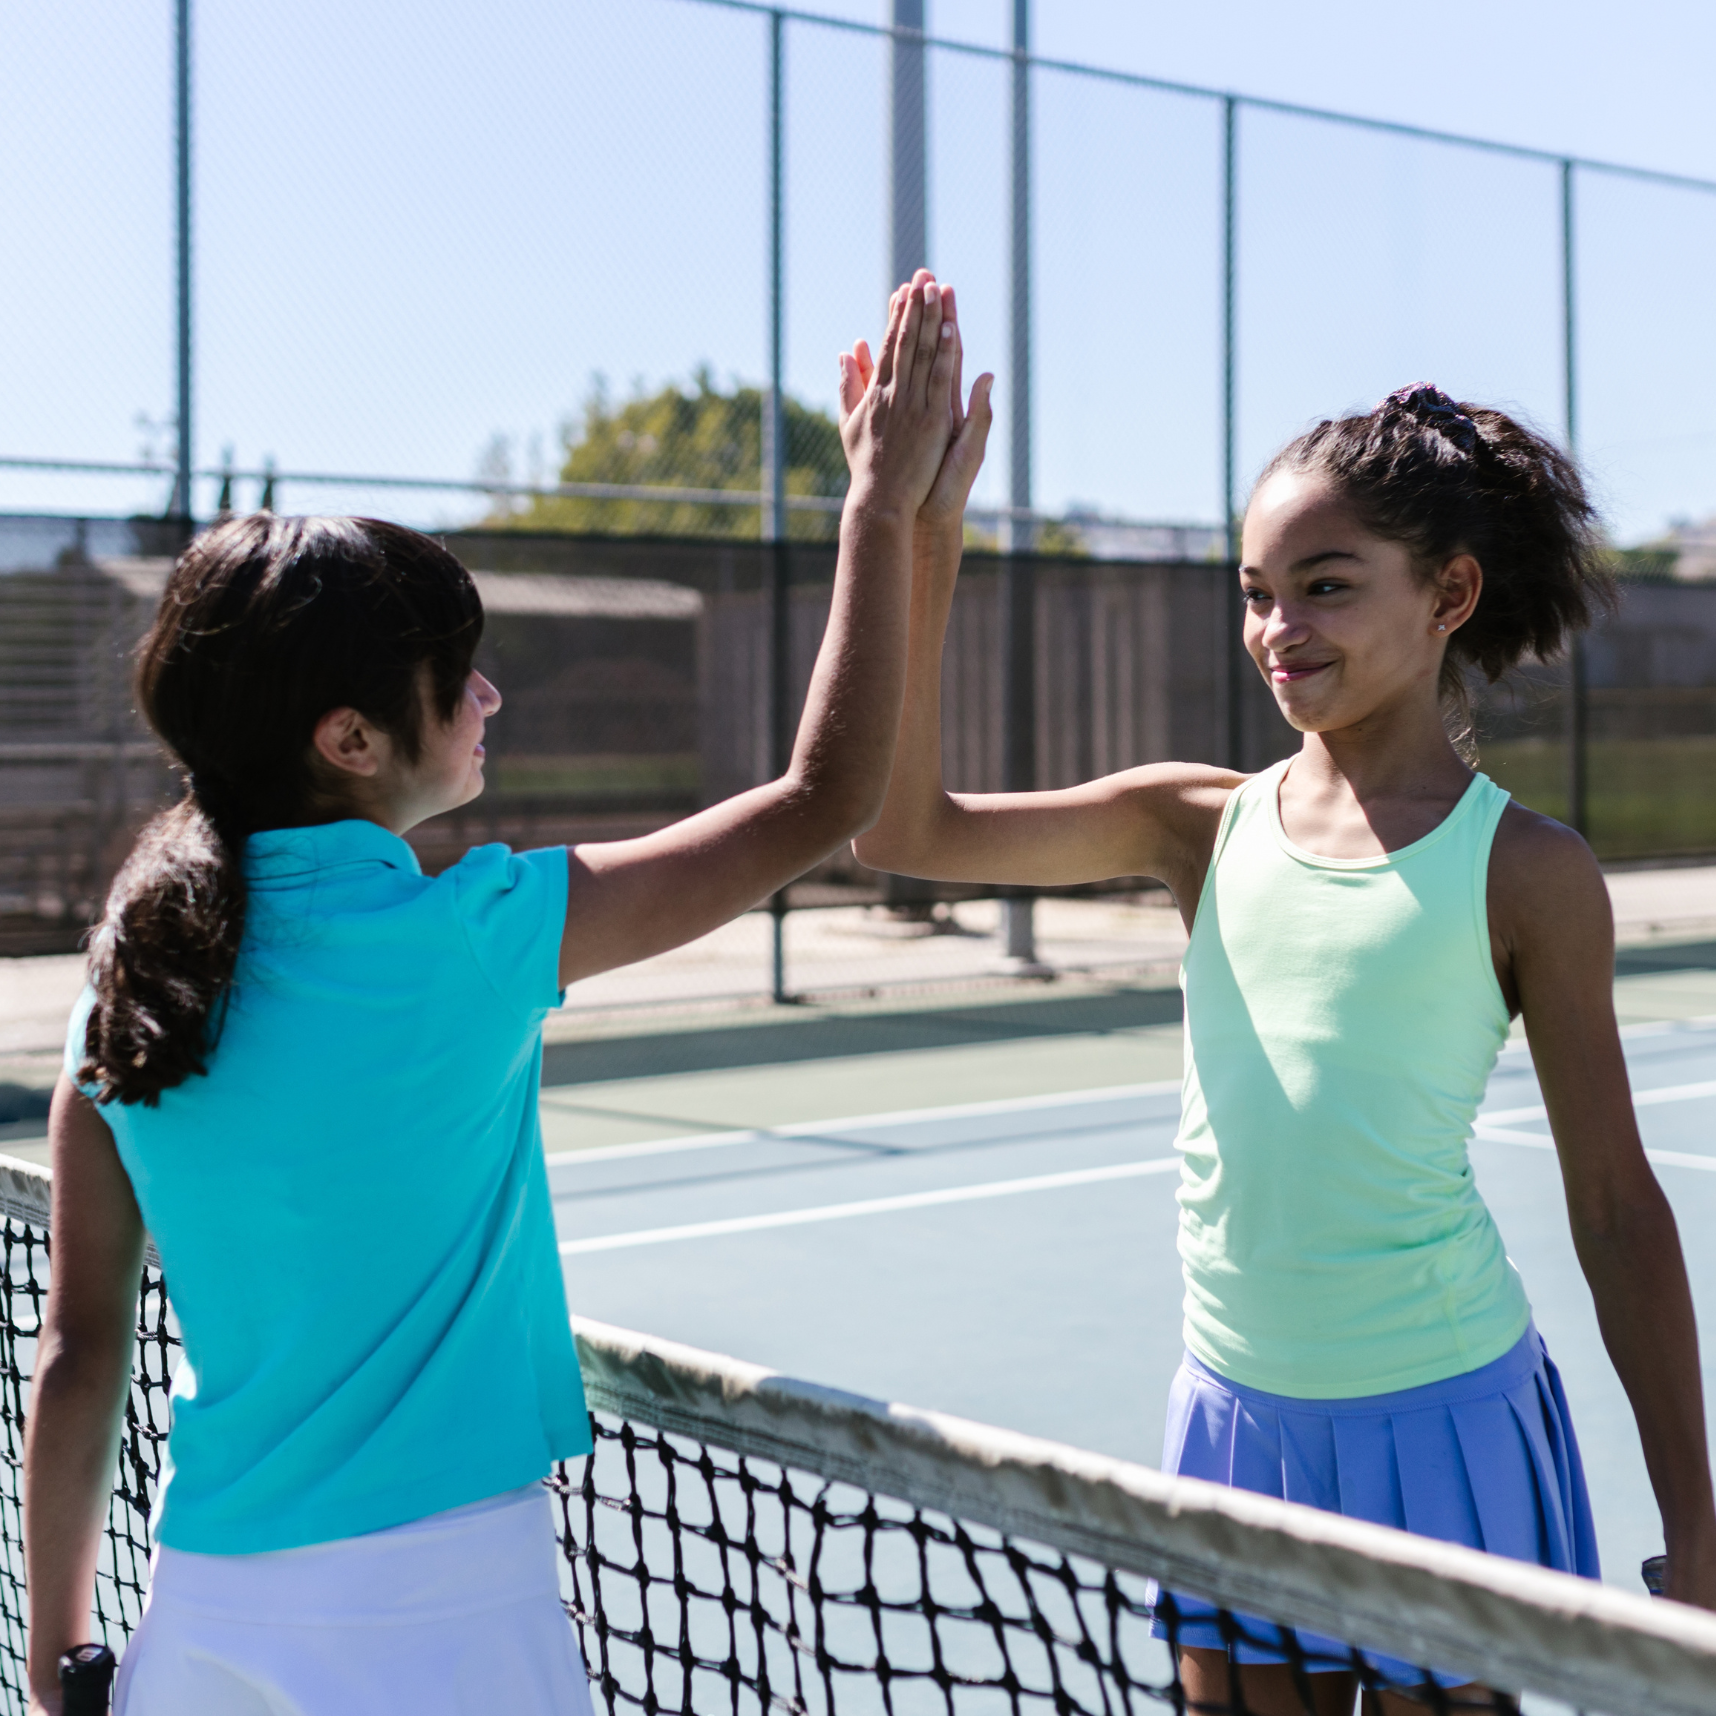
(743, 1542)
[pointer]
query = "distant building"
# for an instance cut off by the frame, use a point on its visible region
(1696, 548)
(1128, 539)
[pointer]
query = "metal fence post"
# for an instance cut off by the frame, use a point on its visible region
(180, 506)
(1578, 713)
(1018, 577)
(1233, 663)
(773, 485)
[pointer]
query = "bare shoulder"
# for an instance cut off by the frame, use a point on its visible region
(1545, 885)
(1172, 812)
(1200, 787)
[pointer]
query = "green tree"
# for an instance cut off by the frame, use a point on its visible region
(702, 439)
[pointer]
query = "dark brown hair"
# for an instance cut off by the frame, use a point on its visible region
(1444, 479)
(265, 625)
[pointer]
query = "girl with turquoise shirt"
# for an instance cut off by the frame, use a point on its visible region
(1365, 919)
(311, 1071)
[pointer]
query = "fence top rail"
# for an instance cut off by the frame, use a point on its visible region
(1263, 103)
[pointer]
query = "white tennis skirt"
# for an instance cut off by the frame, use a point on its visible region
(454, 1615)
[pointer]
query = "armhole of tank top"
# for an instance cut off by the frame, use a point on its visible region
(1224, 828)
(1486, 840)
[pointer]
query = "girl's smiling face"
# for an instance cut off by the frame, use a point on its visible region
(1338, 620)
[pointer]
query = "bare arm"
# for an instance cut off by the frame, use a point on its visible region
(1550, 913)
(632, 898)
(83, 1374)
(1159, 820)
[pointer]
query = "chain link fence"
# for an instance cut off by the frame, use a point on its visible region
(638, 686)
(567, 284)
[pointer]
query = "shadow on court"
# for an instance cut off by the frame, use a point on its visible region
(826, 1035)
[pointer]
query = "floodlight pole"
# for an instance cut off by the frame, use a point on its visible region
(1578, 765)
(179, 507)
(1018, 536)
(1233, 665)
(908, 161)
(908, 246)
(774, 461)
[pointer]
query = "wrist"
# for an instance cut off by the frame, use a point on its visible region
(938, 537)
(874, 507)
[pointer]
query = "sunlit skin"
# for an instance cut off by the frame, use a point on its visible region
(911, 445)
(1350, 636)
(366, 772)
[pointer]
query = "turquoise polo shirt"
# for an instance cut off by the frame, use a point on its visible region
(352, 1208)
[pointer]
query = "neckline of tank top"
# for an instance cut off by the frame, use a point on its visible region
(1274, 776)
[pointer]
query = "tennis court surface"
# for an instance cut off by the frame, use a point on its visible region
(749, 1538)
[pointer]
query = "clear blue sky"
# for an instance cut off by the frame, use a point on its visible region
(421, 227)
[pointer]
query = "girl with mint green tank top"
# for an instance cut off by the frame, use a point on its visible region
(1342, 1020)
(1366, 918)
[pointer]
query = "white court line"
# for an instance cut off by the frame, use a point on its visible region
(1641, 1099)
(869, 1206)
(1536, 1141)
(833, 1128)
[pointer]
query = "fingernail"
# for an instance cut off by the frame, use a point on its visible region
(947, 330)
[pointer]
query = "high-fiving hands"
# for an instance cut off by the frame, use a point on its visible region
(902, 419)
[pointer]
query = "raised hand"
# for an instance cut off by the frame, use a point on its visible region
(968, 425)
(896, 416)
(945, 504)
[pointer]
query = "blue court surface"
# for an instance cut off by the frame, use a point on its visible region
(1014, 1261)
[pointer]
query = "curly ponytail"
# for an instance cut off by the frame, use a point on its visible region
(266, 624)
(1446, 479)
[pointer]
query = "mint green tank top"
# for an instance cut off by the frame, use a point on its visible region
(1342, 1020)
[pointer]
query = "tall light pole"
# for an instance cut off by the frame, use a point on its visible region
(908, 251)
(908, 166)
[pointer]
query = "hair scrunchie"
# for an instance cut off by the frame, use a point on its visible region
(1435, 410)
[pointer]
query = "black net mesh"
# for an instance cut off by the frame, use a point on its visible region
(705, 1583)
(122, 1574)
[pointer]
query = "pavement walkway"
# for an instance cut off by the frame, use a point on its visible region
(689, 1042)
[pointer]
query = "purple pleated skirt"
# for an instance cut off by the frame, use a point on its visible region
(1487, 1459)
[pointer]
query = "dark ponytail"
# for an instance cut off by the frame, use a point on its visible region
(266, 624)
(1444, 479)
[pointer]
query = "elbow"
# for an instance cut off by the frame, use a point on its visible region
(75, 1364)
(833, 813)
(875, 849)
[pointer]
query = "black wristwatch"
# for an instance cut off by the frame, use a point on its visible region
(86, 1679)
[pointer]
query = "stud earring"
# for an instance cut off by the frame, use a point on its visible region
(1441, 628)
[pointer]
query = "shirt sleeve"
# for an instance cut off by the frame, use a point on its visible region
(512, 909)
(76, 1029)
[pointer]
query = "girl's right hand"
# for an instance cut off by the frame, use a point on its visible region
(896, 417)
(944, 506)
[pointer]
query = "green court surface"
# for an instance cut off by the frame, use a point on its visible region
(798, 1064)
(806, 1064)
